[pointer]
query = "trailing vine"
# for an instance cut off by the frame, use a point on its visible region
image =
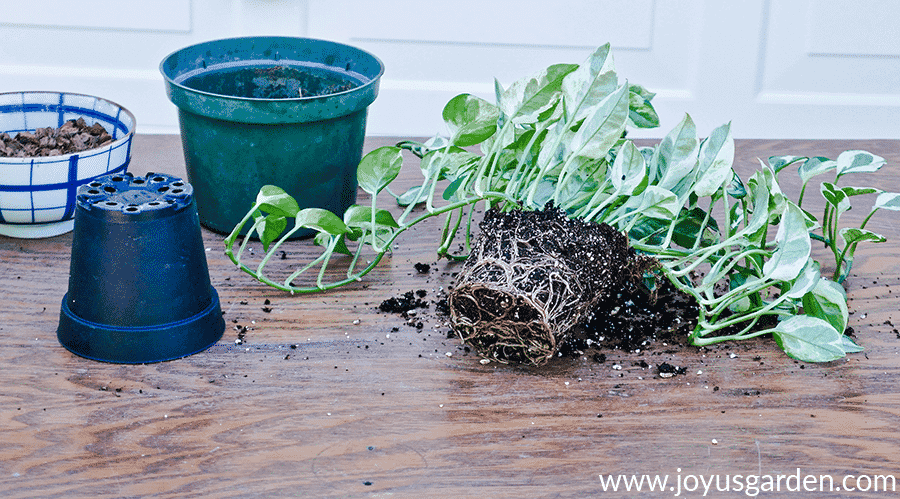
(558, 136)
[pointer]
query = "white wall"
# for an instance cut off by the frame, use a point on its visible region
(775, 68)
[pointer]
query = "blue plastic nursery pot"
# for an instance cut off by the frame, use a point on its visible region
(235, 141)
(139, 287)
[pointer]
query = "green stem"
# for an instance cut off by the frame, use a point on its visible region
(704, 225)
(802, 192)
(564, 176)
(544, 168)
(356, 255)
(449, 234)
(868, 217)
(708, 328)
(327, 258)
(246, 241)
(488, 160)
(374, 232)
(229, 241)
(275, 247)
(840, 276)
(296, 273)
(514, 180)
(320, 285)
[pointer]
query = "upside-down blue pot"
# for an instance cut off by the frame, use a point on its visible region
(139, 286)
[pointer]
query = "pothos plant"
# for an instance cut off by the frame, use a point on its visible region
(558, 136)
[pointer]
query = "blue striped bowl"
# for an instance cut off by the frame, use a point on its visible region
(37, 195)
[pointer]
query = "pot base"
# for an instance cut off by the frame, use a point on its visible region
(141, 345)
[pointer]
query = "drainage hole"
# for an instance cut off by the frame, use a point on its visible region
(153, 203)
(163, 188)
(177, 184)
(117, 179)
(110, 189)
(158, 179)
(111, 203)
(131, 208)
(93, 191)
(176, 191)
(137, 181)
(95, 184)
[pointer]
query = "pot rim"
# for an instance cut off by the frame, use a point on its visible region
(370, 81)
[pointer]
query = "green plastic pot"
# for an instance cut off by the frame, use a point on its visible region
(233, 145)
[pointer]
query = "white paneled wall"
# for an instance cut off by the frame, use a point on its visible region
(774, 68)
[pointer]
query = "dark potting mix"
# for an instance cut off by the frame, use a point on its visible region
(272, 82)
(73, 136)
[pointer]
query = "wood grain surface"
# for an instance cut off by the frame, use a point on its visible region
(328, 397)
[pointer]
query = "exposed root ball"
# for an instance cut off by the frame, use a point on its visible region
(531, 277)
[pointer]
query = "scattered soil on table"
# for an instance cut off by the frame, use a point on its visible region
(270, 82)
(73, 136)
(405, 305)
(631, 321)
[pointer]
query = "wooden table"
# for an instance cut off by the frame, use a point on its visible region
(368, 406)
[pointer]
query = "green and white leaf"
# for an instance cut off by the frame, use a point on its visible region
(413, 195)
(852, 235)
(716, 159)
(324, 239)
(849, 345)
(815, 166)
(270, 228)
(807, 280)
(778, 163)
(827, 301)
(794, 246)
(888, 201)
(655, 202)
(322, 221)
(676, 156)
(361, 217)
(835, 196)
(588, 85)
(379, 168)
(470, 119)
(856, 162)
(276, 201)
(641, 113)
(809, 339)
(858, 191)
(736, 188)
(602, 127)
(760, 205)
(629, 172)
(528, 98)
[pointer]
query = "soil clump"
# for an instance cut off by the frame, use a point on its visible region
(533, 276)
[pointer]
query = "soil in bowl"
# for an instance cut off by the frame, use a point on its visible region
(73, 136)
(271, 82)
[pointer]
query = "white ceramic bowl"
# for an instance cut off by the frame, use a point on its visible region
(37, 194)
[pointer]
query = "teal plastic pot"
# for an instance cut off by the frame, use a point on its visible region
(234, 144)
